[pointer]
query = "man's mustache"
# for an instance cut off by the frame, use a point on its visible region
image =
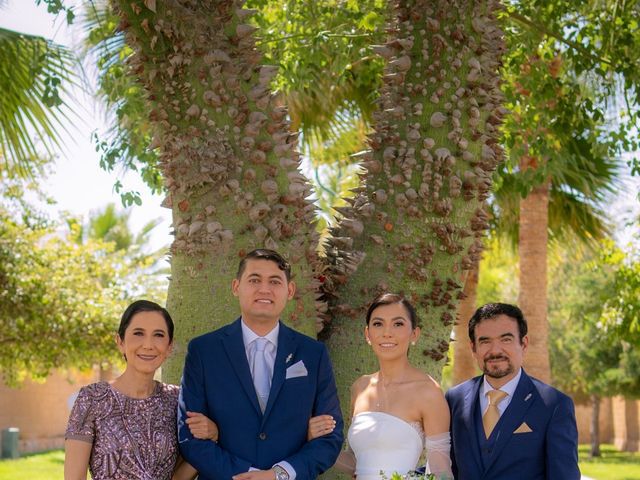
(496, 357)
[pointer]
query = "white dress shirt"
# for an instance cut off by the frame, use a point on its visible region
(270, 351)
(509, 388)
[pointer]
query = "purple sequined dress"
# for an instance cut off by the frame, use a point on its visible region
(133, 439)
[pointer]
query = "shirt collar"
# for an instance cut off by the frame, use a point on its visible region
(509, 388)
(249, 335)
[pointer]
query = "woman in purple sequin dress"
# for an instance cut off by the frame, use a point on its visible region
(126, 430)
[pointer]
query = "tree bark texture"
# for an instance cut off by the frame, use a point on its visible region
(464, 365)
(229, 162)
(594, 431)
(416, 224)
(532, 298)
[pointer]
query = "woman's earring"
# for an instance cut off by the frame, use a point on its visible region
(368, 341)
(413, 344)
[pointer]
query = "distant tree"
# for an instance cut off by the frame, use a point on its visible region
(622, 311)
(589, 358)
(55, 309)
(574, 90)
(60, 300)
(108, 224)
(576, 211)
(572, 85)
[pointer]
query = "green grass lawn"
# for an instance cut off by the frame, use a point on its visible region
(41, 466)
(613, 465)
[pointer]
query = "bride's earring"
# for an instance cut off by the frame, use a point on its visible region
(413, 343)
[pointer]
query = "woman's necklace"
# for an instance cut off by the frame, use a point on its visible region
(381, 398)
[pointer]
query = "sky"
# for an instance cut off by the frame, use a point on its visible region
(78, 184)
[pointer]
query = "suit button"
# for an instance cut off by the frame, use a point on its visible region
(262, 436)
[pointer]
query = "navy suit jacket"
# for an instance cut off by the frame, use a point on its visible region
(548, 452)
(217, 382)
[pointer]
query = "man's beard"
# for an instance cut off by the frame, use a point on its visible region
(496, 372)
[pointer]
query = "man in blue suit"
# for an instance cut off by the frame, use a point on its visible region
(505, 424)
(261, 382)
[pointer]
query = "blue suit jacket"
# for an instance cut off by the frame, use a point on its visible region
(548, 452)
(217, 382)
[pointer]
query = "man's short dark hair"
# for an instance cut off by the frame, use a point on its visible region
(265, 254)
(492, 310)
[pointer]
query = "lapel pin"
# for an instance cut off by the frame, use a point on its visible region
(527, 397)
(289, 357)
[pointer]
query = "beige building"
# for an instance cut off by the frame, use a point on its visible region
(41, 409)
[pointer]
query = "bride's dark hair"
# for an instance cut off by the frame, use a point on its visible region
(390, 299)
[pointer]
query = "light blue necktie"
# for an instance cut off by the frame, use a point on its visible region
(261, 375)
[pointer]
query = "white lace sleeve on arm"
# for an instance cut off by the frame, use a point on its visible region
(346, 462)
(438, 448)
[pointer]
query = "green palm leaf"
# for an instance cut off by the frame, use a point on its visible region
(34, 73)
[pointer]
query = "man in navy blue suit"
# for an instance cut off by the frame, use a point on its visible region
(261, 382)
(506, 425)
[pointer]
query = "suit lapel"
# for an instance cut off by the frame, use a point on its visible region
(468, 417)
(234, 346)
(287, 344)
(524, 396)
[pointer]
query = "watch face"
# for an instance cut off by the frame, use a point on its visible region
(281, 473)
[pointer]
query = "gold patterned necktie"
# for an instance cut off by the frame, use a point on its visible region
(492, 415)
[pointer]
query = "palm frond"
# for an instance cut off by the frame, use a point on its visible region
(577, 197)
(111, 226)
(34, 78)
(570, 216)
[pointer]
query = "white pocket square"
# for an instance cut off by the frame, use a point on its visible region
(297, 370)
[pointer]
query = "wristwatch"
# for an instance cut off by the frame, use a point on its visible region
(281, 473)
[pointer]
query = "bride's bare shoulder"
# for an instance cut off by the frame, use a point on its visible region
(361, 383)
(427, 385)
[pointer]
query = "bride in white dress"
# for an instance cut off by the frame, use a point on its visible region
(397, 411)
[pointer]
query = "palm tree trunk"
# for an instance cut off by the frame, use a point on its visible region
(594, 431)
(533, 236)
(464, 365)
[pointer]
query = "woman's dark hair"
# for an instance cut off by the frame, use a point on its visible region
(144, 306)
(391, 299)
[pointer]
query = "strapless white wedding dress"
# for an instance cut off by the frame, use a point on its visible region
(384, 444)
